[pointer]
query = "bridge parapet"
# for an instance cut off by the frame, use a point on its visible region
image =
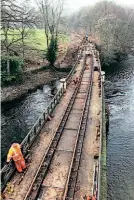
(98, 168)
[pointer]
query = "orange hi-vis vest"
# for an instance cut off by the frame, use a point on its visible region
(14, 153)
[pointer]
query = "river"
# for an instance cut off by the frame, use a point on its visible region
(120, 140)
(19, 116)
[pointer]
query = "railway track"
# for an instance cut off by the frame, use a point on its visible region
(73, 172)
(68, 151)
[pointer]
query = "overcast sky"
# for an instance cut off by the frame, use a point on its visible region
(73, 5)
(76, 4)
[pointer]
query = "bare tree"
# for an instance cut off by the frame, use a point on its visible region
(29, 19)
(10, 15)
(111, 23)
(51, 11)
(16, 23)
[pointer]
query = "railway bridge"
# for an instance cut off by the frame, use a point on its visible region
(65, 156)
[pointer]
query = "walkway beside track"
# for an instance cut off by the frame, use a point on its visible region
(57, 181)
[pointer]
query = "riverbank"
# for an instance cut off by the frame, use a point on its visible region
(35, 76)
(33, 80)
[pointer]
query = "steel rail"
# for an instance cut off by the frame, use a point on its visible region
(74, 167)
(46, 161)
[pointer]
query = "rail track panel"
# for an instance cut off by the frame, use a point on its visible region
(61, 154)
(85, 184)
(62, 160)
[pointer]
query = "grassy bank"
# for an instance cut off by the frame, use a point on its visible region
(35, 44)
(35, 38)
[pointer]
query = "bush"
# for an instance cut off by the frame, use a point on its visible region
(16, 72)
(11, 79)
(52, 50)
(16, 64)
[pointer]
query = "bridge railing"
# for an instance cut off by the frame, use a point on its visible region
(9, 169)
(98, 166)
(101, 156)
(100, 151)
(101, 137)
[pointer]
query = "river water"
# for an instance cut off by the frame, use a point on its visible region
(19, 116)
(120, 141)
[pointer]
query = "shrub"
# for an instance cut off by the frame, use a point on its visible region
(52, 50)
(15, 62)
(16, 72)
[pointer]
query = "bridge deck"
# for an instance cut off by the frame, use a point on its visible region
(91, 145)
(54, 183)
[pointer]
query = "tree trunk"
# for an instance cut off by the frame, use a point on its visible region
(22, 34)
(47, 41)
(47, 37)
(8, 67)
(8, 62)
(23, 51)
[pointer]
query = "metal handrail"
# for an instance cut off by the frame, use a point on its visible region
(97, 174)
(9, 169)
(100, 149)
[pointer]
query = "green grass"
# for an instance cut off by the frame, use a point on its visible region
(36, 38)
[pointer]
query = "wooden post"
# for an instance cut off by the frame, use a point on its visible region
(44, 115)
(51, 105)
(48, 110)
(28, 140)
(39, 122)
(63, 84)
(35, 129)
(54, 101)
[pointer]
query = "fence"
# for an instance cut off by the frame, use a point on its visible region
(102, 189)
(98, 166)
(102, 129)
(8, 170)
